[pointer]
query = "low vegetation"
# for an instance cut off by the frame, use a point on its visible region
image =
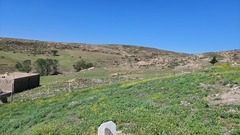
(111, 56)
(142, 90)
(80, 65)
(54, 52)
(178, 104)
(47, 66)
(25, 66)
(213, 60)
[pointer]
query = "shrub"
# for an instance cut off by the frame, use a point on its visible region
(47, 66)
(213, 60)
(80, 65)
(25, 66)
(54, 52)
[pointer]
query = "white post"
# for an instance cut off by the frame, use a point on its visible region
(107, 128)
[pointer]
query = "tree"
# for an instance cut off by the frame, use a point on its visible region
(80, 65)
(25, 66)
(47, 66)
(89, 65)
(41, 66)
(52, 66)
(213, 60)
(172, 65)
(54, 52)
(19, 66)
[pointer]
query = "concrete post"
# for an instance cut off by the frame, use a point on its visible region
(107, 128)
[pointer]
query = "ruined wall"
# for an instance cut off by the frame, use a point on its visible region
(6, 84)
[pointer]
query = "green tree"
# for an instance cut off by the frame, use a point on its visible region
(52, 66)
(54, 52)
(89, 65)
(25, 66)
(213, 60)
(41, 66)
(47, 66)
(80, 65)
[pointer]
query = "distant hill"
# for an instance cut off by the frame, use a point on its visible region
(111, 55)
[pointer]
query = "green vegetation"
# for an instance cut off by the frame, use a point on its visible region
(25, 66)
(214, 60)
(47, 66)
(80, 65)
(66, 58)
(54, 52)
(167, 105)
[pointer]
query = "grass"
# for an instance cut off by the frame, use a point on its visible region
(66, 58)
(164, 105)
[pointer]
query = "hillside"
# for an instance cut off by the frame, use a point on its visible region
(143, 90)
(201, 102)
(106, 56)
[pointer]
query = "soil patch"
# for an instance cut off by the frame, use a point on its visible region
(226, 95)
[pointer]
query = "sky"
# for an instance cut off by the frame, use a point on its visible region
(188, 26)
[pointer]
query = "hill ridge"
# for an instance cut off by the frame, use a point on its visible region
(117, 55)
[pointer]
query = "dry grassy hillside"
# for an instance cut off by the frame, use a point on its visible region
(113, 56)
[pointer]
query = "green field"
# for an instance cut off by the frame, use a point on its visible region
(179, 104)
(66, 58)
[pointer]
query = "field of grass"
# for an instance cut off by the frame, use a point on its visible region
(64, 83)
(164, 105)
(66, 58)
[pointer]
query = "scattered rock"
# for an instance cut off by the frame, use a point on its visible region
(227, 95)
(184, 103)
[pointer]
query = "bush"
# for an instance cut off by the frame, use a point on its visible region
(213, 60)
(54, 52)
(47, 66)
(80, 65)
(25, 66)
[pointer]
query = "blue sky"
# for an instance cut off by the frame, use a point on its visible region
(190, 26)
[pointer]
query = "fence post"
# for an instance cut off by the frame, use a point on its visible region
(69, 86)
(12, 91)
(92, 83)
